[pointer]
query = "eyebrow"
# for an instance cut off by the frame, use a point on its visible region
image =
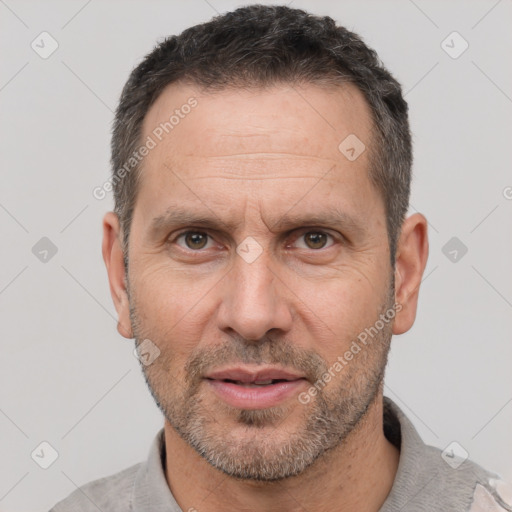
(176, 217)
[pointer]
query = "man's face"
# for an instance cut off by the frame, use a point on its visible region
(285, 264)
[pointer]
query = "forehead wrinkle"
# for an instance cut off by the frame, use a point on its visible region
(187, 170)
(252, 178)
(273, 155)
(249, 162)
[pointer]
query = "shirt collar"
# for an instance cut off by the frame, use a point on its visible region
(150, 490)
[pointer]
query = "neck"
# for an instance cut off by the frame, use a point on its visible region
(356, 475)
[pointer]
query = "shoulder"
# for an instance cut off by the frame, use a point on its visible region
(139, 487)
(432, 479)
(465, 485)
(109, 494)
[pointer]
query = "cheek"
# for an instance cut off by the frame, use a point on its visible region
(166, 291)
(337, 310)
(173, 308)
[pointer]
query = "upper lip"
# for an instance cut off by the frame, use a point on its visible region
(247, 376)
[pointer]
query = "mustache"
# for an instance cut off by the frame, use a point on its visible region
(266, 351)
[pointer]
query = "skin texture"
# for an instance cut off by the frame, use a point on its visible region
(246, 159)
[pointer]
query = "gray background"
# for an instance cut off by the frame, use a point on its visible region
(69, 379)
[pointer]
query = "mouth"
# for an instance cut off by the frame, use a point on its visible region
(257, 383)
(254, 389)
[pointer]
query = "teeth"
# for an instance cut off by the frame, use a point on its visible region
(256, 383)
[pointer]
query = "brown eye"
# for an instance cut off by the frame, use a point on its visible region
(315, 240)
(195, 239)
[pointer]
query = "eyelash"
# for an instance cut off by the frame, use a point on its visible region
(303, 232)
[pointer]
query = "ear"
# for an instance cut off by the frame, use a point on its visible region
(411, 260)
(113, 256)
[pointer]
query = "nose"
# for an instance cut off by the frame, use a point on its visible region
(254, 300)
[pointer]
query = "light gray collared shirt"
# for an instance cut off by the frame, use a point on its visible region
(425, 481)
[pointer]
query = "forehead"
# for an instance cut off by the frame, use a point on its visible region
(268, 119)
(276, 140)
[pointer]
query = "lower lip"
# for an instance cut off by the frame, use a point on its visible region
(255, 397)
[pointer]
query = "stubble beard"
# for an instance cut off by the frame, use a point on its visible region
(268, 448)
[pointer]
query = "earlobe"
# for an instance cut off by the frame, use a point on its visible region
(114, 261)
(411, 260)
